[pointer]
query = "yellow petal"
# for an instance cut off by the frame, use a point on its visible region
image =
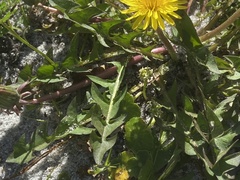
(146, 22)
(153, 12)
(137, 22)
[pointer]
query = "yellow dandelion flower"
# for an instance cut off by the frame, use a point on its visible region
(153, 12)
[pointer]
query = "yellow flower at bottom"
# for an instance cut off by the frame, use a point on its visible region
(153, 12)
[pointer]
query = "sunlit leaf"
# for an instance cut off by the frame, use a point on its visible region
(100, 146)
(226, 164)
(235, 60)
(235, 76)
(223, 106)
(214, 122)
(212, 65)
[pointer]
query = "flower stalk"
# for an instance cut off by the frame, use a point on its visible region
(167, 44)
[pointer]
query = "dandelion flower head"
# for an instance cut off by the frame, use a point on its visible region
(153, 12)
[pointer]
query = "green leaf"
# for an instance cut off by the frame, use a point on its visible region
(233, 159)
(115, 103)
(115, 123)
(69, 63)
(171, 164)
(116, 95)
(163, 155)
(107, 27)
(99, 36)
(45, 71)
(105, 129)
(96, 51)
(189, 149)
(23, 151)
(109, 105)
(185, 121)
(24, 157)
(83, 16)
(103, 82)
(26, 72)
(124, 40)
(212, 65)
(41, 139)
(224, 105)
(70, 124)
(6, 17)
(223, 144)
(128, 107)
(214, 122)
(226, 164)
(72, 57)
(62, 5)
(138, 136)
(147, 166)
(179, 136)
(188, 106)
(203, 124)
(235, 60)
(187, 32)
(100, 146)
(223, 64)
(100, 99)
(97, 120)
(235, 76)
(80, 131)
(6, 10)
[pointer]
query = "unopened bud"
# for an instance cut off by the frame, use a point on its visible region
(9, 97)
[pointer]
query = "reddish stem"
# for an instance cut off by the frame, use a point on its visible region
(105, 74)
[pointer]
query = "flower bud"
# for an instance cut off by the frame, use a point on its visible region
(9, 97)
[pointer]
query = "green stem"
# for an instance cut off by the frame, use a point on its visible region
(145, 89)
(167, 44)
(223, 26)
(24, 41)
